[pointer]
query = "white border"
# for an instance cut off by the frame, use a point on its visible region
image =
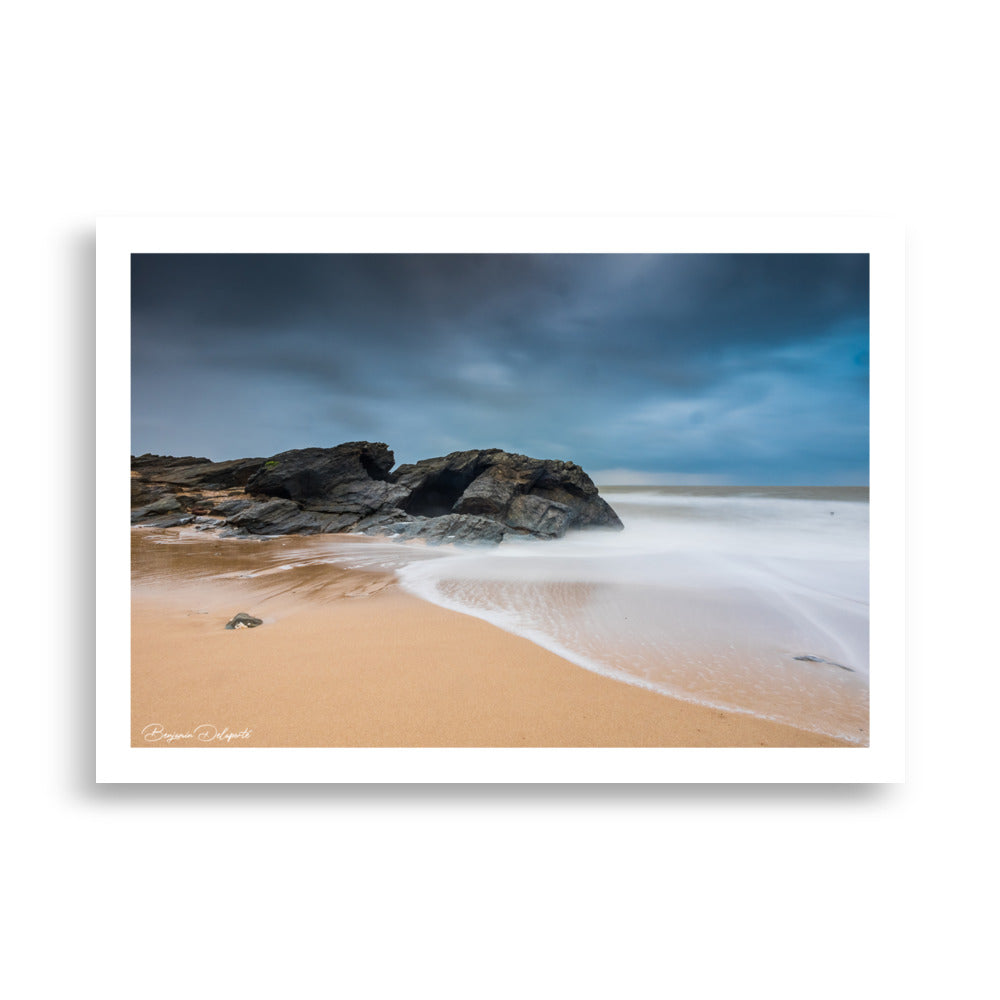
(117, 238)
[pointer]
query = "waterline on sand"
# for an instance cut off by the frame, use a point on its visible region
(707, 595)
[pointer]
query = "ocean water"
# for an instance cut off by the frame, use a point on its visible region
(708, 595)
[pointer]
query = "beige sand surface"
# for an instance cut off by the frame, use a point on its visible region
(345, 658)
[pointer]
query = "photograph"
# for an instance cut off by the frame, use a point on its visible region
(499, 500)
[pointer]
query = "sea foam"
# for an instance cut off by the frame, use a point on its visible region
(707, 595)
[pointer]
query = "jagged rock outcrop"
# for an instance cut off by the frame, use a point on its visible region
(169, 491)
(352, 478)
(468, 496)
(528, 495)
(197, 472)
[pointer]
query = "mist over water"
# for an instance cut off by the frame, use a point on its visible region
(708, 595)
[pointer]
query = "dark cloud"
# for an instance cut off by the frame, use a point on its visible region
(740, 367)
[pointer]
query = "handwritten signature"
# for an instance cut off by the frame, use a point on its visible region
(205, 733)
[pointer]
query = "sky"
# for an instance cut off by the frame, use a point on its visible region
(661, 368)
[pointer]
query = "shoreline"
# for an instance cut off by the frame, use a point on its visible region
(346, 658)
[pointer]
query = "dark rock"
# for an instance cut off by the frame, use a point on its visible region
(819, 659)
(149, 461)
(538, 516)
(489, 483)
(210, 475)
(335, 488)
(243, 620)
(168, 521)
(382, 522)
(229, 507)
(165, 504)
(490, 494)
(144, 494)
(276, 517)
(466, 529)
(342, 474)
(285, 517)
(465, 496)
(358, 499)
(435, 485)
(332, 523)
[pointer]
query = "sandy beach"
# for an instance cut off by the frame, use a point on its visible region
(345, 658)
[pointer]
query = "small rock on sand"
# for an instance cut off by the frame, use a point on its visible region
(819, 659)
(243, 620)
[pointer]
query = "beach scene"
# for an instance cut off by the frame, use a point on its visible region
(500, 500)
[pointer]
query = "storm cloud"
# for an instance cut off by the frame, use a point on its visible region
(745, 368)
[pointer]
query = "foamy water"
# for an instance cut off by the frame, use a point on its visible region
(708, 595)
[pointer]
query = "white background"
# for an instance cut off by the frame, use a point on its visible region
(769, 108)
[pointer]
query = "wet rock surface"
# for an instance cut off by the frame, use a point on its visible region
(445, 530)
(810, 658)
(243, 620)
(479, 496)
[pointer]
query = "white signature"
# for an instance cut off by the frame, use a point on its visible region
(205, 733)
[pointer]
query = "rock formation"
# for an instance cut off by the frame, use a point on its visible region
(467, 496)
(243, 620)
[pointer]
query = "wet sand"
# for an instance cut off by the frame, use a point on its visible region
(345, 658)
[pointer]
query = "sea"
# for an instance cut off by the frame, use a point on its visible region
(751, 600)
